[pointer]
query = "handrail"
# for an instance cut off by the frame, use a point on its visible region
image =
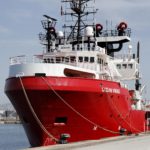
(18, 59)
(23, 59)
(110, 33)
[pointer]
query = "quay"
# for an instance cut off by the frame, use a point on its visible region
(10, 121)
(133, 142)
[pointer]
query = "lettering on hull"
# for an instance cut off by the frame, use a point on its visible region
(110, 90)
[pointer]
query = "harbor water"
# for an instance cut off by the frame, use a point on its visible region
(12, 137)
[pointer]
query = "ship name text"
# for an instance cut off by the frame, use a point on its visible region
(110, 90)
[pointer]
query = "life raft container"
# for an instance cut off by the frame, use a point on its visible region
(99, 27)
(122, 26)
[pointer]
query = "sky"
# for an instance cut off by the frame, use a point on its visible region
(20, 24)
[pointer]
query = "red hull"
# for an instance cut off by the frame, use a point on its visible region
(80, 107)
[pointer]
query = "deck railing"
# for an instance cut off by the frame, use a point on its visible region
(124, 56)
(23, 59)
(18, 60)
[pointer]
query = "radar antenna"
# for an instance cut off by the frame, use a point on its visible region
(50, 34)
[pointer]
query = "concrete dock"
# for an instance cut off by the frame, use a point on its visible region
(134, 142)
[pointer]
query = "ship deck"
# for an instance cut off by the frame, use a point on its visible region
(133, 142)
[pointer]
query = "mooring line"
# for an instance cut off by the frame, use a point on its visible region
(35, 115)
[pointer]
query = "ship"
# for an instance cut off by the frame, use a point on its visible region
(77, 89)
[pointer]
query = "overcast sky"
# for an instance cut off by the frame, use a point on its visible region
(20, 25)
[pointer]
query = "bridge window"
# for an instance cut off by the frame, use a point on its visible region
(130, 66)
(86, 59)
(118, 66)
(100, 61)
(58, 59)
(80, 59)
(72, 59)
(66, 59)
(91, 59)
(124, 66)
(52, 60)
(48, 60)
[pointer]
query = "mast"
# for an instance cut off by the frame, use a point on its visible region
(137, 81)
(79, 10)
(79, 20)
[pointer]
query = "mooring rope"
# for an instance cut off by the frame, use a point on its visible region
(123, 118)
(35, 115)
(74, 110)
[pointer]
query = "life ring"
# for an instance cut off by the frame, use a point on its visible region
(99, 27)
(122, 26)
